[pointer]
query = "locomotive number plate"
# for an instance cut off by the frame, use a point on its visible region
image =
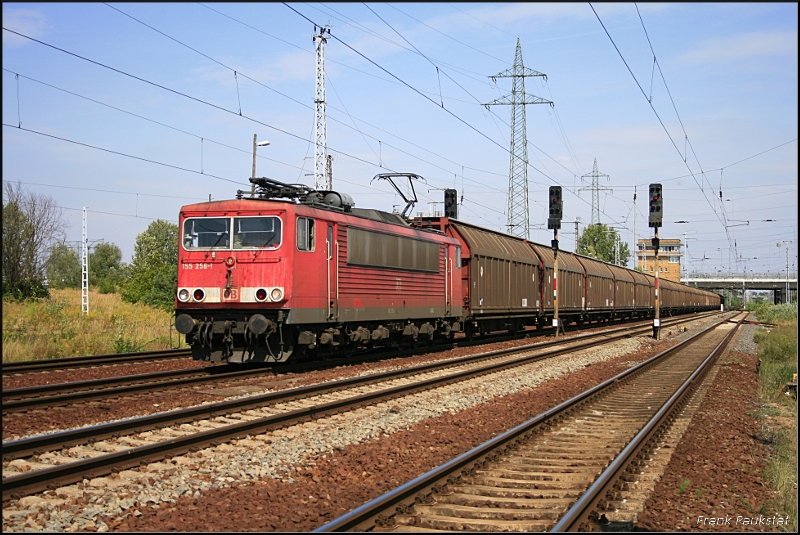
(197, 265)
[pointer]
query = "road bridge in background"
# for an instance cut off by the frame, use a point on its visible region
(778, 283)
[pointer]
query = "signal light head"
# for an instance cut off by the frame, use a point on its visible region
(556, 208)
(656, 206)
(451, 203)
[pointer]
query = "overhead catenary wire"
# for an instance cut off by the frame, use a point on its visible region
(201, 101)
(414, 89)
(449, 112)
(146, 118)
(302, 103)
(723, 219)
(382, 129)
(122, 154)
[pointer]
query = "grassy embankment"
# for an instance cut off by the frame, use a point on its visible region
(778, 411)
(55, 327)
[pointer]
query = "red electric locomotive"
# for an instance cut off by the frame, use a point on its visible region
(293, 271)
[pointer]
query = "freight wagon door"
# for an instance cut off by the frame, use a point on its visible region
(333, 273)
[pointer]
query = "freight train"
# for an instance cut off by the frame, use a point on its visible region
(292, 273)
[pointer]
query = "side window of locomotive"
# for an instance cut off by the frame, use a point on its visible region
(306, 238)
(251, 232)
(206, 233)
(458, 257)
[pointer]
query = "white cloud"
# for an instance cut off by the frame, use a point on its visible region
(25, 21)
(743, 46)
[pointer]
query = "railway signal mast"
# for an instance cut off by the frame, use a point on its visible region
(655, 221)
(85, 267)
(554, 222)
(322, 175)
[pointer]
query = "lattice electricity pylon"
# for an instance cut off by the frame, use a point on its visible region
(518, 213)
(595, 175)
(321, 175)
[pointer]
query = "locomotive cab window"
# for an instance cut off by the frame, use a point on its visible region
(206, 233)
(250, 232)
(306, 237)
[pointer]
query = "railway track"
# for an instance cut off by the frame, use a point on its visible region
(60, 394)
(127, 443)
(561, 470)
(25, 366)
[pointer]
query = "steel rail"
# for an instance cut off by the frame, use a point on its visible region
(40, 480)
(25, 447)
(584, 509)
(369, 515)
(71, 362)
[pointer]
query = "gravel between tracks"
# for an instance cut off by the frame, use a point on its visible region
(298, 478)
(85, 373)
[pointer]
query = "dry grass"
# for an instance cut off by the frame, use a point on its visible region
(55, 327)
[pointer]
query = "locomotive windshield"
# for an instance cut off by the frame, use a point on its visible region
(215, 232)
(256, 232)
(206, 233)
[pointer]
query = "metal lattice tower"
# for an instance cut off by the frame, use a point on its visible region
(85, 267)
(518, 213)
(596, 187)
(322, 179)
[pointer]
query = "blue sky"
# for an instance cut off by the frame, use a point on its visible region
(405, 88)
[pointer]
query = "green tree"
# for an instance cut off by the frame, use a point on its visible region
(64, 268)
(31, 224)
(601, 242)
(106, 269)
(154, 267)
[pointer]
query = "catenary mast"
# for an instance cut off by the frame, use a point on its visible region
(322, 176)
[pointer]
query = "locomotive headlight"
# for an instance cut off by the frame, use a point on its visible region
(199, 294)
(261, 294)
(183, 295)
(276, 294)
(230, 261)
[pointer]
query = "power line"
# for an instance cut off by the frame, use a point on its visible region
(119, 215)
(184, 95)
(299, 102)
(418, 51)
(122, 154)
(112, 191)
(377, 127)
(428, 98)
(722, 221)
(146, 118)
(414, 89)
